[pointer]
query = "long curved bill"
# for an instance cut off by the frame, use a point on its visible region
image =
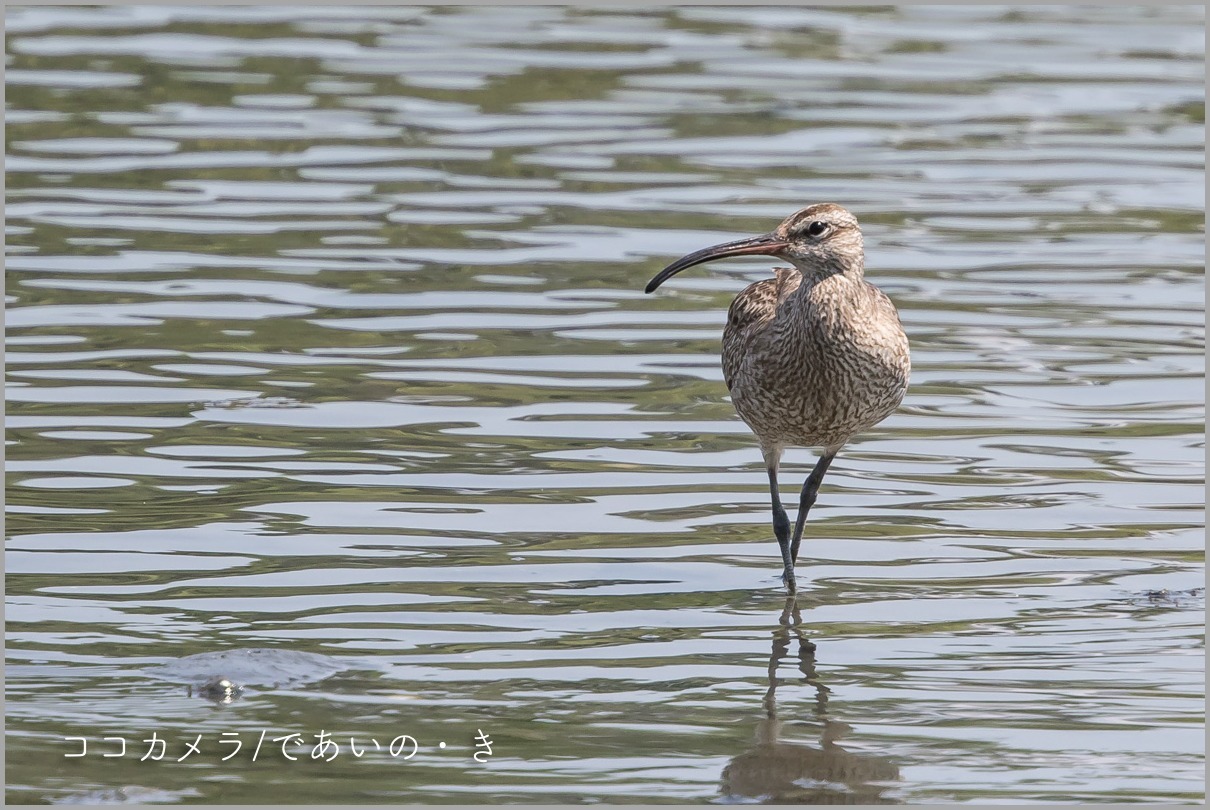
(764, 245)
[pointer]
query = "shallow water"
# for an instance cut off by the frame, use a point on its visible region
(326, 334)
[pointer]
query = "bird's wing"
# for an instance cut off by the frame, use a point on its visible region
(754, 306)
(881, 301)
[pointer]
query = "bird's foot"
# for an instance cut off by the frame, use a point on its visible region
(787, 576)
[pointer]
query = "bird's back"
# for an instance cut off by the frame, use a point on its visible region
(812, 368)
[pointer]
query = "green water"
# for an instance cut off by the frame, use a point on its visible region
(326, 334)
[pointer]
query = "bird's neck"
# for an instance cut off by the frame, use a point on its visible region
(827, 298)
(815, 272)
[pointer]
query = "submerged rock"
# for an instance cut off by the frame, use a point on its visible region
(221, 676)
(220, 690)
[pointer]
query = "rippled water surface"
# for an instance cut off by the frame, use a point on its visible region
(326, 335)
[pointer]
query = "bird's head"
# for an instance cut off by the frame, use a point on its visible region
(819, 240)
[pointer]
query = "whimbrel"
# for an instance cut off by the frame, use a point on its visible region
(813, 356)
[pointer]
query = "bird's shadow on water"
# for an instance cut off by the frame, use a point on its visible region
(775, 771)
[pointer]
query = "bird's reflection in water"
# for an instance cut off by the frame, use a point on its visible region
(777, 772)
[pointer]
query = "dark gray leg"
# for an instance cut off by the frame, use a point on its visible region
(808, 500)
(781, 528)
(781, 522)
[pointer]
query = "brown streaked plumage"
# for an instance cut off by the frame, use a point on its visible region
(812, 356)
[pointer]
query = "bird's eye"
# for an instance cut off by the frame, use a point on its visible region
(817, 228)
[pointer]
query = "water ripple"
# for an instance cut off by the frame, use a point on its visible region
(325, 342)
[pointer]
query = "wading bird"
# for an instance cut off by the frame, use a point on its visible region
(811, 357)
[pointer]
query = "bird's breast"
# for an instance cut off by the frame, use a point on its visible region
(818, 365)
